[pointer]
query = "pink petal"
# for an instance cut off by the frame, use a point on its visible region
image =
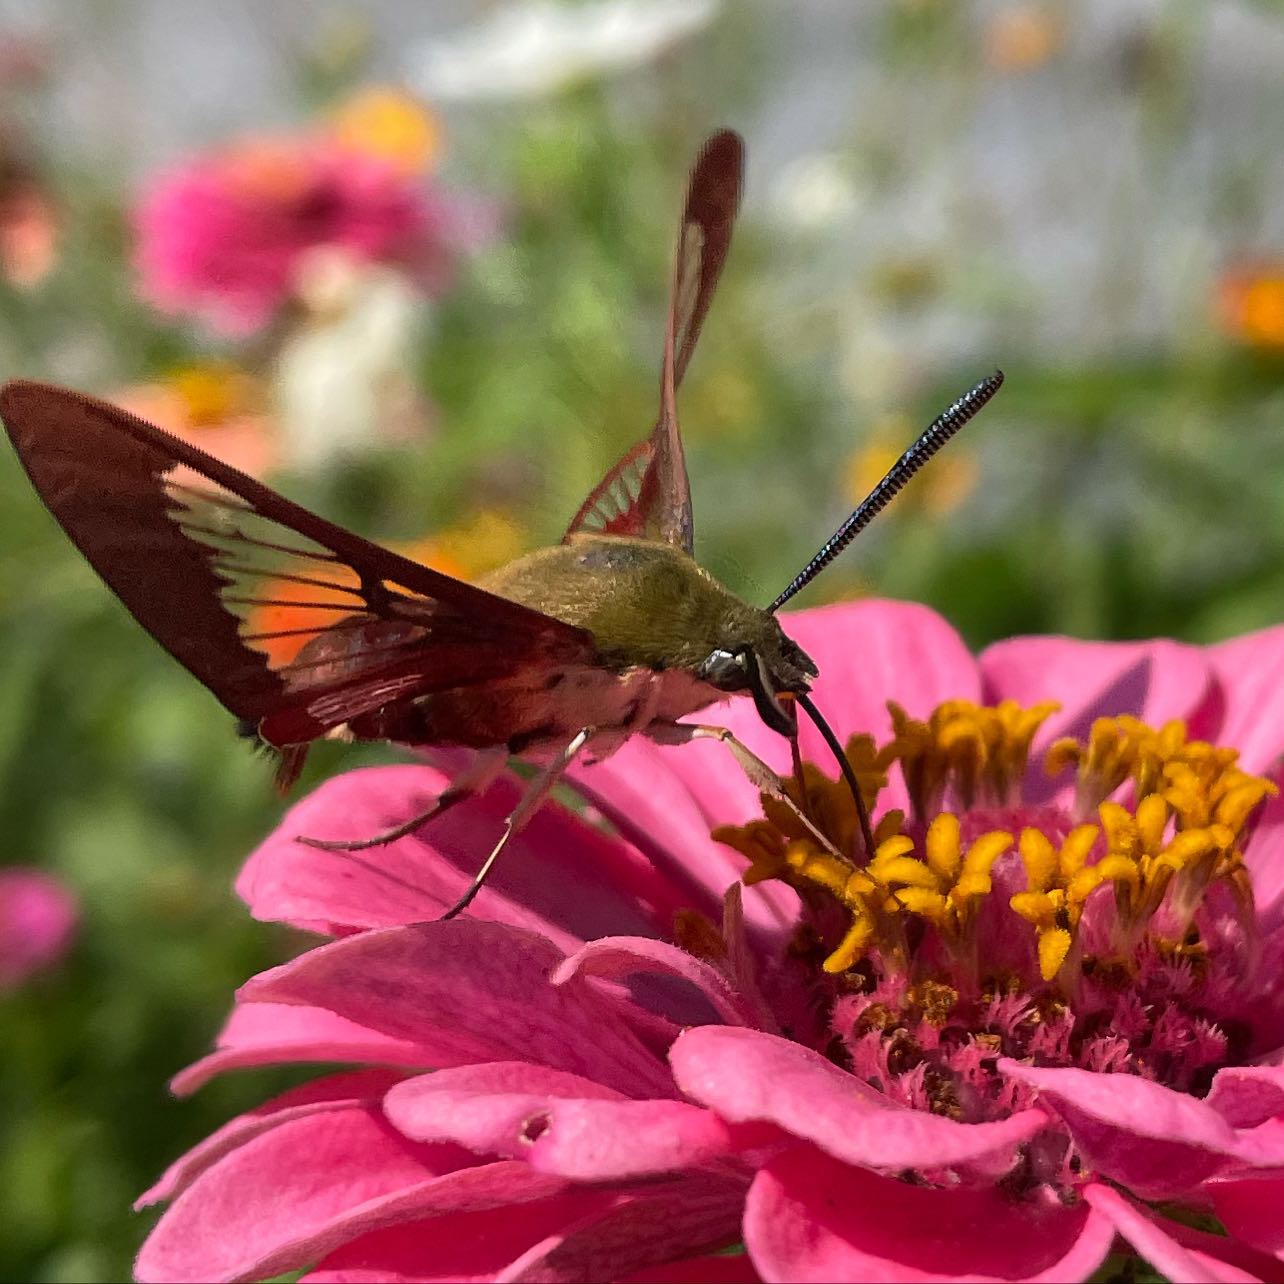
(456, 1248)
(417, 878)
(1246, 1096)
(1159, 1143)
(726, 1268)
(745, 1075)
(646, 793)
(466, 991)
(264, 1034)
(336, 1092)
(558, 1123)
(1248, 669)
(621, 956)
(1250, 1207)
(1142, 1230)
(299, 1190)
(810, 1218)
(1155, 681)
(691, 1215)
(1264, 856)
(483, 1106)
(873, 651)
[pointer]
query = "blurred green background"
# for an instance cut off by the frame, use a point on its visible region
(1086, 194)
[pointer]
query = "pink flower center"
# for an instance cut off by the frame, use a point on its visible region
(1094, 933)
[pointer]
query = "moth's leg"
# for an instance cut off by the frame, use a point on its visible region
(488, 765)
(538, 789)
(760, 775)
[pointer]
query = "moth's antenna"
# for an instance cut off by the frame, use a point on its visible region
(845, 766)
(938, 432)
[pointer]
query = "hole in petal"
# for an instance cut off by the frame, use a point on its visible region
(534, 1127)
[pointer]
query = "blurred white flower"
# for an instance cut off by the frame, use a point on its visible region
(528, 49)
(814, 192)
(344, 379)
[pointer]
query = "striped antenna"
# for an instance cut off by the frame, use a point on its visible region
(938, 432)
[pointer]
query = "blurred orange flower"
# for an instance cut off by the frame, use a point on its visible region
(28, 218)
(1023, 37)
(1250, 304)
(216, 406)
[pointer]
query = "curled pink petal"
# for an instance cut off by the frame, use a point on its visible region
(484, 1106)
(654, 1226)
(1157, 1142)
(336, 1092)
(1142, 1230)
(621, 956)
(745, 1076)
(810, 1218)
(467, 991)
(260, 1034)
(558, 1123)
(1246, 1096)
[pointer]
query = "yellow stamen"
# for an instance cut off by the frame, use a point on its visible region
(1183, 833)
(1058, 882)
(980, 751)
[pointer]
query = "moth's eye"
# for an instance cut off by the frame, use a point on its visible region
(726, 670)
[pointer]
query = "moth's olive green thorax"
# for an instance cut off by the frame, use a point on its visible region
(649, 604)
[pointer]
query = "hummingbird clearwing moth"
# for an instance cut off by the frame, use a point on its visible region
(615, 631)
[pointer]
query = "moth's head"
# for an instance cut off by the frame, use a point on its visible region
(758, 658)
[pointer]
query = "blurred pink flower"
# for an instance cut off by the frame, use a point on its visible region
(224, 235)
(37, 922)
(959, 1097)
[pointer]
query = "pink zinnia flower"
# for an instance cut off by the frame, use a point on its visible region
(1043, 1024)
(37, 923)
(224, 235)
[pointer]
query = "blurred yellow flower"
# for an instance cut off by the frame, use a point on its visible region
(212, 392)
(937, 491)
(1250, 304)
(480, 543)
(391, 124)
(1023, 37)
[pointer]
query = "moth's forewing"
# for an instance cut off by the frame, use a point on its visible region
(188, 543)
(647, 493)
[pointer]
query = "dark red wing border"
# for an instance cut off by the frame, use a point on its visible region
(118, 487)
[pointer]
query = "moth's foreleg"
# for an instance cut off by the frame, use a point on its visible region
(478, 777)
(536, 792)
(760, 775)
